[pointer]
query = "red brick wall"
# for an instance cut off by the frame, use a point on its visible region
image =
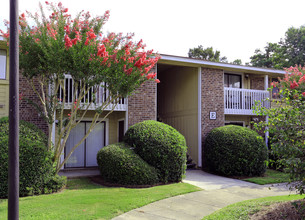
(142, 105)
(27, 111)
(257, 83)
(212, 100)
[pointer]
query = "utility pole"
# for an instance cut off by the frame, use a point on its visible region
(13, 155)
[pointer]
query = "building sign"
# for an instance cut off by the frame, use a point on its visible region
(213, 115)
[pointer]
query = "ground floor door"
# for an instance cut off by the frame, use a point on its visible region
(85, 154)
(121, 130)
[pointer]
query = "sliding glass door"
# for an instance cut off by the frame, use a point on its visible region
(85, 154)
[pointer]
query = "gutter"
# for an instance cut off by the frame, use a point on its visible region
(200, 62)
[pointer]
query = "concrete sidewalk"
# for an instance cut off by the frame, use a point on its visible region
(218, 192)
(76, 173)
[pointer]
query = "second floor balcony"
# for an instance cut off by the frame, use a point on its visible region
(99, 95)
(242, 101)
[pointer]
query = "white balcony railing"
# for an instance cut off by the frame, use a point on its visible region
(242, 101)
(101, 95)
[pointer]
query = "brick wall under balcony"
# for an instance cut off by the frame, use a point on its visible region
(212, 100)
(142, 105)
(27, 111)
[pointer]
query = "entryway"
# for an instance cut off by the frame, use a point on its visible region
(177, 103)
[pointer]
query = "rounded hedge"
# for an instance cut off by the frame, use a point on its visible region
(161, 146)
(36, 173)
(235, 151)
(119, 164)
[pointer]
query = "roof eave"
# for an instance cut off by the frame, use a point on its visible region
(199, 62)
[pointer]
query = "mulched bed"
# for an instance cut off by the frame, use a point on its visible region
(99, 180)
(282, 211)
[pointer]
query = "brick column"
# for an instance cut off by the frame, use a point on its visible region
(212, 100)
(142, 105)
(27, 111)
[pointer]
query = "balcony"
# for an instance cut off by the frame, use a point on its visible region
(242, 101)
(101, 95)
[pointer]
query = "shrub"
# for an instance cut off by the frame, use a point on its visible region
(55, 184)
(235, 151)
(161, 146)
(26, 129)
(119, 164)
(35, 162)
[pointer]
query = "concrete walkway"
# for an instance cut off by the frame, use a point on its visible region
(76, 173)
(218, 192)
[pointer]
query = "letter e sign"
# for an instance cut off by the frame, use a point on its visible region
(213, 115)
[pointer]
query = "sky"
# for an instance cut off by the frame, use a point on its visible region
(234, 27)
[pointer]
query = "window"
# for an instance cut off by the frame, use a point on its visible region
(121, 130)
(239, 123)
(232, 80)
(2, 64)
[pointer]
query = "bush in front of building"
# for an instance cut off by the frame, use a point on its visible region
(235, 151)
(35, 162)
(119, 164)
(161, 146)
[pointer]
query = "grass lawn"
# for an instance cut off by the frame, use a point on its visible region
(241, 210)
(85, 200)
(271, 176)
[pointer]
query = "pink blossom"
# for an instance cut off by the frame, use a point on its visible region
(68, 42)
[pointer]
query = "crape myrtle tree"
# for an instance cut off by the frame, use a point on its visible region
(286, 124)
(58, 44)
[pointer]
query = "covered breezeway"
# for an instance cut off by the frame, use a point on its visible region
(177, 103)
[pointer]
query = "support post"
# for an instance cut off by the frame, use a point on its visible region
(266, 86)
(199, 120)
(13, 154)
(266, 83)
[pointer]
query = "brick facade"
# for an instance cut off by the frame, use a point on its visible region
(212, 100)
(142, 105)
(257, 83)
(27, 111)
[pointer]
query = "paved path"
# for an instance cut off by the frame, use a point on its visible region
(218, 192)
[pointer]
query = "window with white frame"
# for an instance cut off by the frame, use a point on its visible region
(2, 64)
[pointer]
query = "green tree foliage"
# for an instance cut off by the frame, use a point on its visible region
(237, 62)
(273, 56)
(290, 51)
(206, 54)
(58, 44)
(287, 125)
